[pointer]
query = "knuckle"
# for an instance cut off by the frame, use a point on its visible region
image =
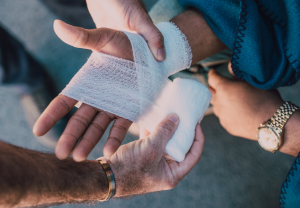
(144, 17)
(139, 12)
(119, 128)
(62, 102)
(82, 39)
(108, 116)
(81, 119)
(167, 128)
(98, 128)
(157, 38)
(107, 35)
(114, 140)
(70, 136)
(88, 142)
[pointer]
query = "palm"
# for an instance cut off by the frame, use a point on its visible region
(101, 12)
(88, 122)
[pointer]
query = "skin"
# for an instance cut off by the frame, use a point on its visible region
(31, 178)
(241, 108)
(131, 16)
(90, 123)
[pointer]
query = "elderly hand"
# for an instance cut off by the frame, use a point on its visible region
(240, 107)
(88, 122)
(140, 166)
(131, 16)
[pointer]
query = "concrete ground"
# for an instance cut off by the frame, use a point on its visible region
(233, 172)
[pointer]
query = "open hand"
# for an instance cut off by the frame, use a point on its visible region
(88, 122)
(131, 16)
(140, 166)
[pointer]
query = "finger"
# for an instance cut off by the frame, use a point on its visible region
(144, 133)
(215, 79)
(92, 136)
(145, 27)
(165, 130)
(213, 93)
(192, 157)
(116, 136)
(75, 128)
(56, 110)
(231, 71)
(212, 90)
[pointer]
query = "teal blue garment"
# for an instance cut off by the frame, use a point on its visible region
(263, 34)
(290, 190)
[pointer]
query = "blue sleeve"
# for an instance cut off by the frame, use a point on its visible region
(263, 34)
(290, 190)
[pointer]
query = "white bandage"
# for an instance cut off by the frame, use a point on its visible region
(141, 92)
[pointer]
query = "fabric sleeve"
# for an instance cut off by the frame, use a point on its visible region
(264, 36)
(290, 190)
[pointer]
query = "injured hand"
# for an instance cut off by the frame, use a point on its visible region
(141, 92)
(138, 91)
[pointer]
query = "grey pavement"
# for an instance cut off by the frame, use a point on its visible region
(233, 172)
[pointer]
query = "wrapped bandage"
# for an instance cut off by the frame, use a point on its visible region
(140, 91)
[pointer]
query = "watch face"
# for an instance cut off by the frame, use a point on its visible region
(268, 139)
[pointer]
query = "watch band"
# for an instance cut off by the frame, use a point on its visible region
(281, 116)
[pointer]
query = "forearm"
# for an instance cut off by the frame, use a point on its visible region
(291, 136)
(30, 178)
(201, 38)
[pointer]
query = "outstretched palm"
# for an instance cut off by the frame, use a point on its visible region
(88, 122)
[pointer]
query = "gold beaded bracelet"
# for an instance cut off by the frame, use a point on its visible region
(110, 178)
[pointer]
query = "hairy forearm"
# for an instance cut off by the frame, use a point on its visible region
(202, 39)
(291, 136)
(30, 178)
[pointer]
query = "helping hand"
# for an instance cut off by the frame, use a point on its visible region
(140, 166)
(88, 122)
(240, 107)
(131, 16)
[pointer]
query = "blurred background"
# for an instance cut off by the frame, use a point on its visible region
(233, 172)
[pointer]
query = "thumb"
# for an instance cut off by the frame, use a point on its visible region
(104, 40)
(152, 35)
(76, 36)
(215, 79)
(165, 130)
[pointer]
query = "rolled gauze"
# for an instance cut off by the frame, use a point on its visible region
(140, 91)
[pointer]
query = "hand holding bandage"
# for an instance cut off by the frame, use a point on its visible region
(140, 91)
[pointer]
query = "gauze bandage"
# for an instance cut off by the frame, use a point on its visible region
(140, 91)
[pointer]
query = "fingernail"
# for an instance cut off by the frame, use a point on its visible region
(161, 54)
(173, 117)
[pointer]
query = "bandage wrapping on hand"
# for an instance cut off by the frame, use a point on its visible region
(141, 92)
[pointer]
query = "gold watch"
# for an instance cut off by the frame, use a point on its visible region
(270, 133)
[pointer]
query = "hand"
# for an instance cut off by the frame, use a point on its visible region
(240, 107)
(88, 122)
(128, 15)
(140, 167)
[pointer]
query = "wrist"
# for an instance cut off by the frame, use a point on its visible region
(266, 113)
(291, 141)
(118, 170)
(129, 180)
